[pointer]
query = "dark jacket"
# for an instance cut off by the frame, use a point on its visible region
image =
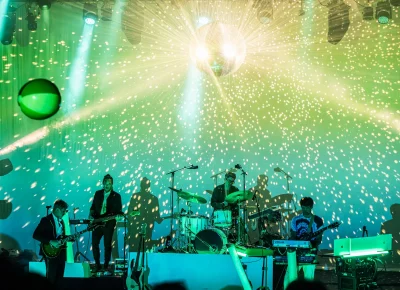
(46, 230)
(113, 206)
(218, 196)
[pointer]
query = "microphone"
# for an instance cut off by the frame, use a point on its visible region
(254, 195)
(277, 169)
(193, 167)
(238, 166)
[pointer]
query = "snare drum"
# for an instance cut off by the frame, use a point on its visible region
(222, 218)
(210, 241)
(193, 224)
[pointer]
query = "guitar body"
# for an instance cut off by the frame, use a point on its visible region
(140, 272)
(49, 251)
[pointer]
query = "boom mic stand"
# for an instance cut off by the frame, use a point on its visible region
(287, 176)
(244, 173)
(78, 252)
(172, 202)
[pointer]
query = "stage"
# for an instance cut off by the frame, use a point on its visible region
(203, 271)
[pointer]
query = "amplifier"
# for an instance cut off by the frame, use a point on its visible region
(120, 266)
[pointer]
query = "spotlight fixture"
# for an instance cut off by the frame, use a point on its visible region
(106, 11)
(90, 13)
(32, 24)
(44, 4)
(383, 12)
(338, 22)
(133, 22)
(265, 10)
(9, 23)
(368, 13)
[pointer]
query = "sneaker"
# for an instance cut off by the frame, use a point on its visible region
(96, 269)
(107, 271)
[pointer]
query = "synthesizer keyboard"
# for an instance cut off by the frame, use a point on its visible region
(306, 259)
(291, 244)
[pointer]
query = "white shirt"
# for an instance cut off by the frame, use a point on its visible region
(58, 224)
(104, 206)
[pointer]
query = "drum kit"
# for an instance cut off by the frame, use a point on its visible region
(205, 235)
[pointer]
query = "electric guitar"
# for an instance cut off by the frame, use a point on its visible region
(309, 236)
(51, 252)
(140, 272)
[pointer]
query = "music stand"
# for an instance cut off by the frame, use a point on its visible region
(78, 252)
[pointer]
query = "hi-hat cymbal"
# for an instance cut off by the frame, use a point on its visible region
(239, 196)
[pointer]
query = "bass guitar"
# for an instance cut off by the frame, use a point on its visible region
(140, 272)
(51, 252)
(113, 217)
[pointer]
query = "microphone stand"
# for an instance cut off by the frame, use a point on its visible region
(260, 222)
(287, 176)
(172, 202)
(244, 173)
(125, 269)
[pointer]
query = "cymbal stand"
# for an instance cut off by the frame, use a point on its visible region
(172, 204)
(188, 227)
(244, 173)
(287, 176)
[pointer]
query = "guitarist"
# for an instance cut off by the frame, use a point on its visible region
(48, 230)
(105, 202)
(302, 225)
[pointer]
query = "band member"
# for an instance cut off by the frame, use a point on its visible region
(48, 230)
(222, 191)
(302, 224)
(105, 202)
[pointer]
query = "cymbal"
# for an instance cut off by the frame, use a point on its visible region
(209, 191)
(239, 196)
(181, 193)
(196, 199)
(286, 210)
(189, 196)
(282, 198)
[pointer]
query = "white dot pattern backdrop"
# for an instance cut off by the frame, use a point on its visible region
(326, 114)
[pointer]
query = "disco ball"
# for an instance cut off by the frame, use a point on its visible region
(39, 99)
(218, 49)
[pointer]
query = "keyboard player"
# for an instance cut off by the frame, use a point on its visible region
(301, 225)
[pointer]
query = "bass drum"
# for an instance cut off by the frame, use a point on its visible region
(210, 241)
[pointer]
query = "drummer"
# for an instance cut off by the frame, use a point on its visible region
(222, 191)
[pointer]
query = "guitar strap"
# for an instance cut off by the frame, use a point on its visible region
(310, 224)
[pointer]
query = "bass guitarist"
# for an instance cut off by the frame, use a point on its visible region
(302, 226)
(48, 231)
(105, 202)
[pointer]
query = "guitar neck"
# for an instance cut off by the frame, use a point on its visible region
(323, 229)
(69, 238)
